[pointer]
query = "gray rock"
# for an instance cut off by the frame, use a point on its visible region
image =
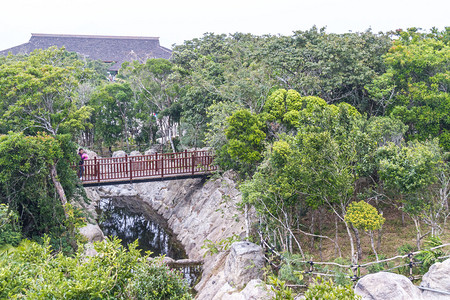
(150, 151)
(437, 278)
(119, 154)
(244, 263)
(135, 153)
(384, 285)
(92, 232)
(89, 250)
(91, 154)
(256, 289)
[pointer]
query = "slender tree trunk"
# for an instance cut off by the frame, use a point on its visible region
(336, 249)
(320, 233)
(58, 187)
(358, 242)
(170, 139)
(418, 234)
(247, 221)
(311, 229)
(352, 245)
(373, 244)
(379, 233)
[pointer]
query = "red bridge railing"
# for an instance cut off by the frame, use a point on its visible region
(158, 165)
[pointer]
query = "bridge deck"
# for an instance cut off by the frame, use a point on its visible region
(158, 166)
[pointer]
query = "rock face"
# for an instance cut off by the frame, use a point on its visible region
(244, 263)
(437, 278)
(197, 210)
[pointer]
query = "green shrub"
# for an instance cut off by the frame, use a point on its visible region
(9, 228)
(33, 271)
(323, 289)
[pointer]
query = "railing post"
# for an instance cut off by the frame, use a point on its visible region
(97, 168)
(185, 159)
(162, 165)
(156, 162)
(193, 162)
(131, 169)
(126, 165)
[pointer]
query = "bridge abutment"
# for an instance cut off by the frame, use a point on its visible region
(196, 210)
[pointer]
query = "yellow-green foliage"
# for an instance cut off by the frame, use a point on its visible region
(281, 102)
(364, 216)
(281, 152)
(34, 271)
(323, 289)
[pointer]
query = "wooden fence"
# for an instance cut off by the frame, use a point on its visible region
(158, 165)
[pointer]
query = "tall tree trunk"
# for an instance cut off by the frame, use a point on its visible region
(336, 249)
(418, 234)
(352, 245)
(170, 138)
(320, 233)
(379, 231)
(59, 188)
(247, 221)
(311, 229)
(373, 244)
(358, 242)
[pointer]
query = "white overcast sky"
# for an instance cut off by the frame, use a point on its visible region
(179, 20)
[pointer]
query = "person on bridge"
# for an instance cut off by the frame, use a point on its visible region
(83, 156)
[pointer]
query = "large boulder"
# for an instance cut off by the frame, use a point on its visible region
(119, 154)
(93, 233)
(135, 153)
(150, 151)
(256, 289)
(384, 285)
(437, 278)
(244, 263)
(91, 154)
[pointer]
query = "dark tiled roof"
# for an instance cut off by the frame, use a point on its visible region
(105, 48)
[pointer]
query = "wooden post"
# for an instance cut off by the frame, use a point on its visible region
(97, 168)
(156, 162)
(193, 163)
(162, 165)
(126, 166)
(131, 169)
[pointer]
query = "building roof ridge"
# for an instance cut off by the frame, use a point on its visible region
(95, 36)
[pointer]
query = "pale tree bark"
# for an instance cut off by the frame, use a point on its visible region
(59, 188)
(373, 244)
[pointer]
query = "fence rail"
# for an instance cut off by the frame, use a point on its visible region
(158, 165)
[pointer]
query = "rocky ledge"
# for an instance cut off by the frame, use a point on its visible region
(198, 210)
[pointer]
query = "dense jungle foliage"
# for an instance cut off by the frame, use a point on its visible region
(318, 126)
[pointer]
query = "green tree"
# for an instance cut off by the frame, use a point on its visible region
(334, 67)
(245, 137)
(113, 114)
(319, 167)
(157, 91)
(9, 226)
(415, 86)
(364, 216)
(39, 94)
(419, 174)
(28, 180)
